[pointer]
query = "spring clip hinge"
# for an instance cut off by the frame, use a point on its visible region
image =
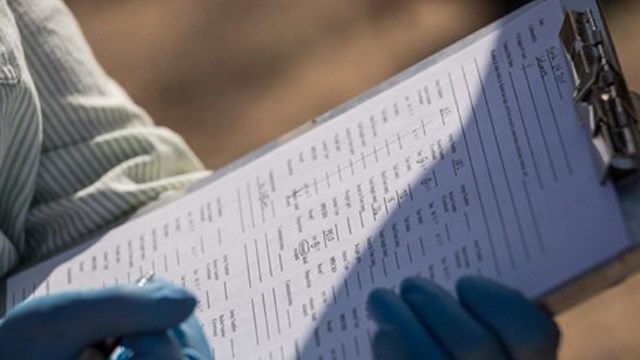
(601, 96)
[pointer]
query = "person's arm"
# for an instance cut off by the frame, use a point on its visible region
(101, 155)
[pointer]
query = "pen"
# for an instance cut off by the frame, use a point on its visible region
(102, 350)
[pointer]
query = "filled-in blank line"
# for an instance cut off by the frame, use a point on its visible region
(555, 77)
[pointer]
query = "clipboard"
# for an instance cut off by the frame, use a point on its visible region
(607, 111)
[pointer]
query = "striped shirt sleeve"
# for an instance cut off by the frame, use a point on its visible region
(97, 156)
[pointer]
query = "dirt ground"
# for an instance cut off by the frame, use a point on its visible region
(230, 75)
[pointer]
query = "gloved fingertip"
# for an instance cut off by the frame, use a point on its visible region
(386, 308)
(377, 302)
(132, 309)
(525, 328)
(170, 300)
(375, 296)
(388, 344)
(410, 284)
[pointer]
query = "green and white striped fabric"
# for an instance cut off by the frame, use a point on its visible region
(76, 154)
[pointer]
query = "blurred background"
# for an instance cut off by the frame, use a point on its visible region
(231, 75)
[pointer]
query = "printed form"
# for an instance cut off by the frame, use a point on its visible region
(476, 165)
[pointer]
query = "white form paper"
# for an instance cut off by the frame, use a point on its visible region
(476, 165)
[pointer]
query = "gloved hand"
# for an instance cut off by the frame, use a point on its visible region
(488, 321)
(150, 319)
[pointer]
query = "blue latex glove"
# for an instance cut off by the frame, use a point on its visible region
(151, 320)
(489, 321)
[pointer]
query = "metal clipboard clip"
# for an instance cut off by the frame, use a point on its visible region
(602, 99)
